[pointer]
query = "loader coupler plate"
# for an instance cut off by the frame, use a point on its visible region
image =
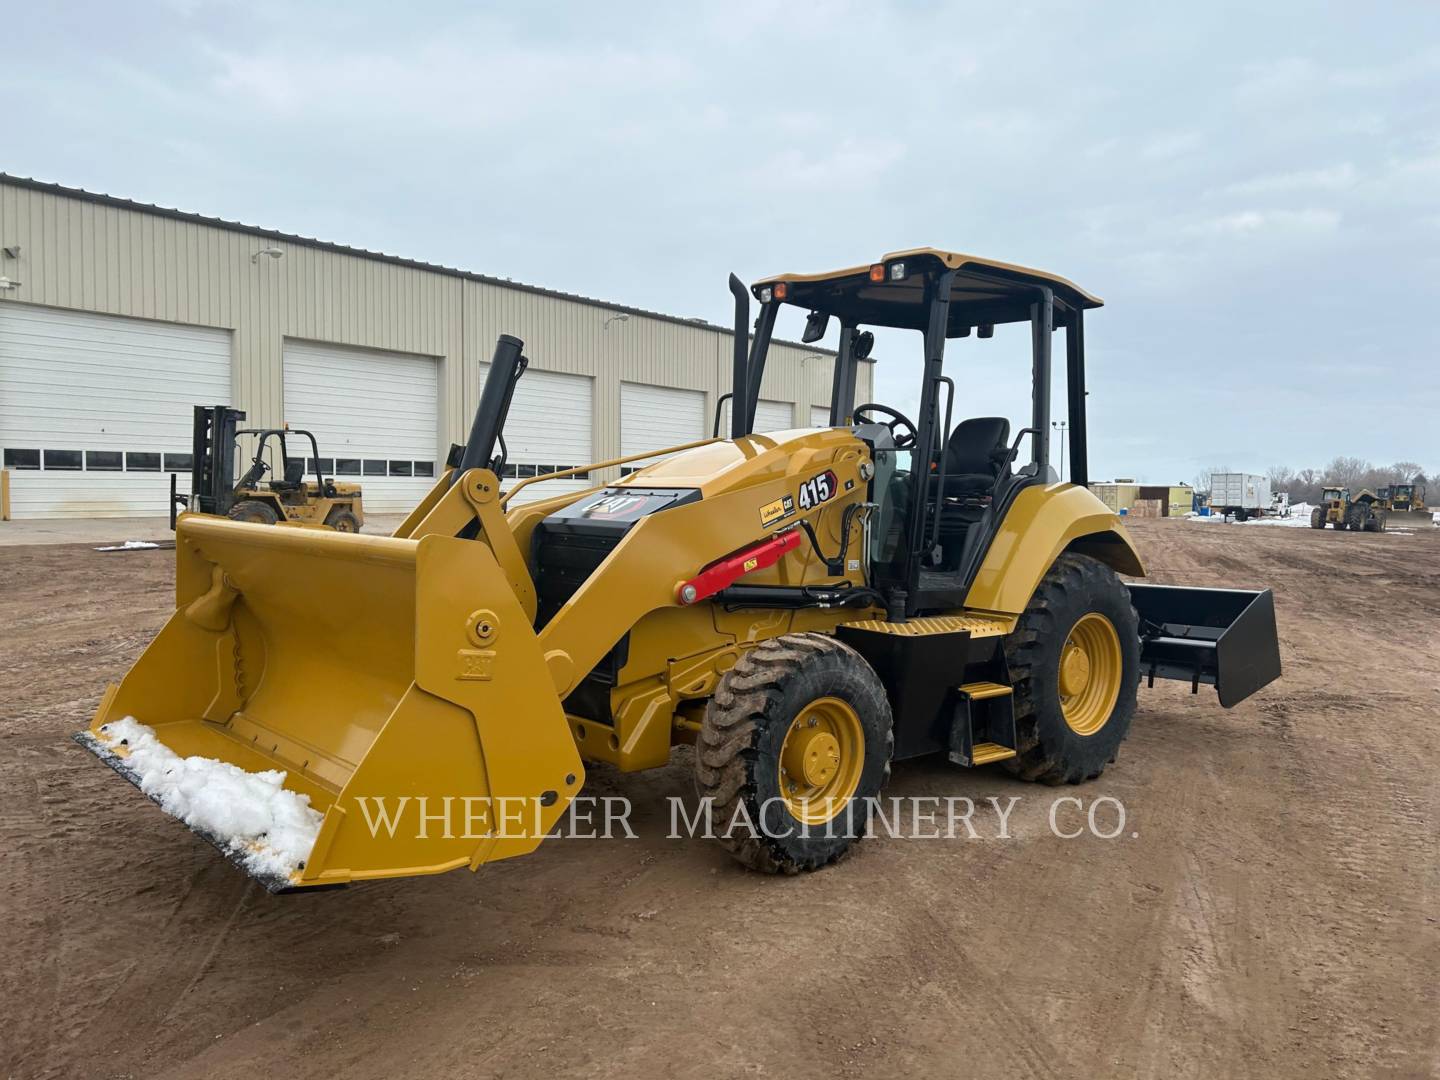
(1224, 637)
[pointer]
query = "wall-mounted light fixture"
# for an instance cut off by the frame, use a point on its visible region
(273, 252)
(619, 316)
(11, 251)
(6, 283)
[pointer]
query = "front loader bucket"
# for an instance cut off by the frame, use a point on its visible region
(396, 684)
(1225, 637)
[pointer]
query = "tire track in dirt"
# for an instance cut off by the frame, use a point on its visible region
(1276, 916)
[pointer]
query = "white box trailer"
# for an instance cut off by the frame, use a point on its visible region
(1242, 494)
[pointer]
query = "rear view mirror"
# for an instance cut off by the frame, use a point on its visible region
(864, 342)
(815, 325)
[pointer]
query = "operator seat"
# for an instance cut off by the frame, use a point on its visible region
(294, 475)
(977, 456)
(977, 459)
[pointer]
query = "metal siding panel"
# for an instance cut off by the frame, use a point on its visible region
(130, 262)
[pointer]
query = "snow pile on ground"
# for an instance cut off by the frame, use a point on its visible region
(1299, 518)
(271, 829)
(129, 545)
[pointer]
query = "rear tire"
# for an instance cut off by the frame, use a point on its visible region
(342, 521)
(254, 512)
(1072, 713)
(802, 709)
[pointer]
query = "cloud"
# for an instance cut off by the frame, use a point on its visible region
(1333, 178)
(1171, 145)
(1184, 172)
(1253, 222)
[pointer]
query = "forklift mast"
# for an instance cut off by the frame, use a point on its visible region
(212, 469)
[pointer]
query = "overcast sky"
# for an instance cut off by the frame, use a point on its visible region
(1254, 189)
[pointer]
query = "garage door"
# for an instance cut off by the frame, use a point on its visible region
(375, 415)
(774, 416)
(819, 415)
(769, 416)
(652, 417)
(549, 427)
(95, 410)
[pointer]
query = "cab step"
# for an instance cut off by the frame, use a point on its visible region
(982, 727)
(986, 752)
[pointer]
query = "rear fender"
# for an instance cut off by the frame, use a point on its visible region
(1043, 522)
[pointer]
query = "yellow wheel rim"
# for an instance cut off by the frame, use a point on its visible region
(821, 758)
(1090, 672)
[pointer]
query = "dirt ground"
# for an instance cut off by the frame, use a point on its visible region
(1271, 907)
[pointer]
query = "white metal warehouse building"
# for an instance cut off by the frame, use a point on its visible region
(117, 317)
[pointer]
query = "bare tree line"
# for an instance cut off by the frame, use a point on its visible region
(1305, 485)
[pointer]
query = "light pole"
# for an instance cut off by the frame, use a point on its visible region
(1060, 426)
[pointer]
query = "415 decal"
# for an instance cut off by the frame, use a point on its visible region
(818, 489)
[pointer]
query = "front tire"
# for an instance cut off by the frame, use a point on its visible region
(1074, 663)
(342, 521)
(253, 511)
(797, 743)
(1317, 518)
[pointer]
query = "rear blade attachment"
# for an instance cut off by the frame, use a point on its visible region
(1224, 637)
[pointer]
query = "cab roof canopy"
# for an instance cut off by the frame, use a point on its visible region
(984, 293)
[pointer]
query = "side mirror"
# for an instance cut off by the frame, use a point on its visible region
(815, 324)
(864, 342)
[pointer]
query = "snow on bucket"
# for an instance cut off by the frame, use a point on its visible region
(308, 677)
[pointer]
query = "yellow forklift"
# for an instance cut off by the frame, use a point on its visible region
(217, 439)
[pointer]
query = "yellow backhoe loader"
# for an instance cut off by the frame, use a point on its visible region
(803, 607)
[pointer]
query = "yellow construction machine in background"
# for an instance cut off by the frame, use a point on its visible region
(1365, 511)
(286, 497)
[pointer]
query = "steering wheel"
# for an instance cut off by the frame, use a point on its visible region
(262, 463)
(902, 428)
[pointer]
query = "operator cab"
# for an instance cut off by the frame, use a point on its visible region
(289, 484)
(942, 482)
